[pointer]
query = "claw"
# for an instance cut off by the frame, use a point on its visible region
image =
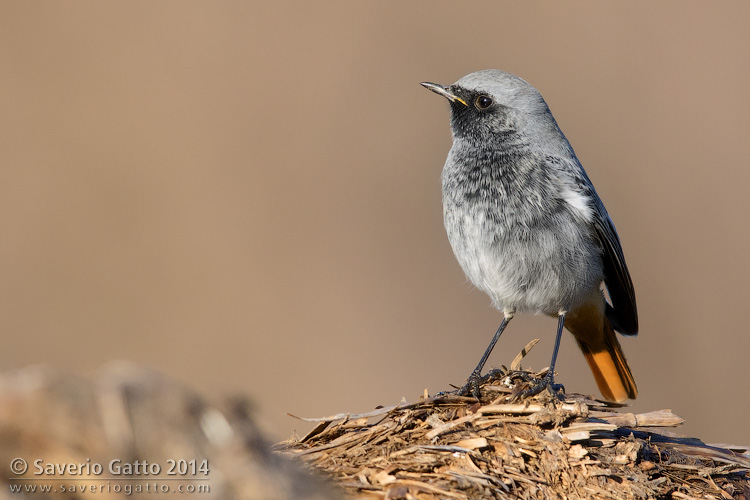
(471, 387)
(557, 391)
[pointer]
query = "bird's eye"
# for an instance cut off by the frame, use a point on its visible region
(483, 102)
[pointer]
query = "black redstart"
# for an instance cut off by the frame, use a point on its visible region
(528, 228)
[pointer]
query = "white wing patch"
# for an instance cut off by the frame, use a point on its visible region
(578, 202)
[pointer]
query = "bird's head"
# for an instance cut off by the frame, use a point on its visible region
(491, 102)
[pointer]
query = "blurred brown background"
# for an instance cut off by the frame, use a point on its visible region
(246, 195)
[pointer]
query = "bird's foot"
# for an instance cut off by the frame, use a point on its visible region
(557, 391)
(475, 381)
(471, 387)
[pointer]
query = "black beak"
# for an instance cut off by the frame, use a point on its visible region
(443, 91)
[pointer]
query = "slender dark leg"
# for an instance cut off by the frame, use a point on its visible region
(549, 380)
(560, 324)
(472, 385)
(478, 369)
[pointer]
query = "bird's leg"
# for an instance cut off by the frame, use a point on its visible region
(548, 382)
(472, 384)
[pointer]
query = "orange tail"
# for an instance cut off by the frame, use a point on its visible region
(608, 364)
(602, 351)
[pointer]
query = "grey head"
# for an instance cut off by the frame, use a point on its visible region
(491, 105)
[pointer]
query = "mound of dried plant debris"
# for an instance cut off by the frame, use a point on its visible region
(452, 447)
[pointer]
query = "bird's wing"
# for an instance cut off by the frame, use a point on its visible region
(623, 313)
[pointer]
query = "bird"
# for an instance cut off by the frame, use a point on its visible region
(528, 228)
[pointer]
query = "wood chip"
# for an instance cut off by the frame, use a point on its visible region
(473, 443)
(516, 364)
